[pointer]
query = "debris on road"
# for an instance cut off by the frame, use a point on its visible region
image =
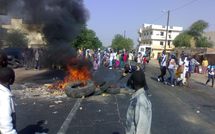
(57, 102)
(197, 111)
(38, 91)
(55, 112)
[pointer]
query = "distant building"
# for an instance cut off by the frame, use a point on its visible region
(33, 32)
(211, 37)
(155, 36)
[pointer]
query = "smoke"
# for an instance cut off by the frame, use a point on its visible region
(61, 21)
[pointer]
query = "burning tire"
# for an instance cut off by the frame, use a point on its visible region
(79, 89)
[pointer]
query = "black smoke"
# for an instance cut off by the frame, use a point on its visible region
(61, 22)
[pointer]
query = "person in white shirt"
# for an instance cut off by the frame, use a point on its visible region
(211, 73)
(112, 57)
(130, 57)
(139, 58)
(7, 116)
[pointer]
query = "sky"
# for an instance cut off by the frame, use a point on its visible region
(111, 17)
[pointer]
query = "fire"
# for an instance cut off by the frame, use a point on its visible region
(74, 74)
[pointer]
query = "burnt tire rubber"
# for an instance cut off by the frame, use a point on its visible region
(79, 92)
(113, 90)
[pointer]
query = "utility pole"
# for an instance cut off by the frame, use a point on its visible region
(167, 26)
(124, 34)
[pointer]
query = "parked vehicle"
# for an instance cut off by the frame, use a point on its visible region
(145, 50)
(15, 57)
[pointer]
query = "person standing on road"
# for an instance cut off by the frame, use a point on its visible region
(171, 69)
(139, 58)
(7, 116)
(193, 63)
(130, 57)
(163, 66)
(139, 113)
(204, 65)
(37, 58)
(187, 71)
(211, 73)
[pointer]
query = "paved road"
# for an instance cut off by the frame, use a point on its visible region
(176, 110)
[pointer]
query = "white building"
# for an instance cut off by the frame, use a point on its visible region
(155, 36)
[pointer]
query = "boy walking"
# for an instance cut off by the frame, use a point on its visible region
(7, 116)
(139, 114)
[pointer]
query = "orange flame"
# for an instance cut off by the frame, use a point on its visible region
(74, 74)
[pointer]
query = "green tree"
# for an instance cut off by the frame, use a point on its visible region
(16, 39)
(197, 28)
(193, 37)
(119, 43)
(182, 40)
(87, 39)
(203, 42)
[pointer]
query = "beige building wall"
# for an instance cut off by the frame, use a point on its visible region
(34, 35)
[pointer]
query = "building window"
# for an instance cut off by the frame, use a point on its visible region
(162, 33)
(169, 42)
(151, 33)
(161, 43)
(171, 27)
(170, 36)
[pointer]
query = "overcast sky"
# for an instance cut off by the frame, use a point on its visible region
(110, 17)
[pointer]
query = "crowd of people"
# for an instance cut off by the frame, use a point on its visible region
(32, 58)
(112, 59)
(180, 69)
(108, 58)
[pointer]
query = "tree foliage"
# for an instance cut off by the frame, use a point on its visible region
(203, 42)
(119, 43)
(182, 40)
(197, 28)
(16, 39)
(195, 33)
(87, 39)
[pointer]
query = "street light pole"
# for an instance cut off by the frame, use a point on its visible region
(167, 26)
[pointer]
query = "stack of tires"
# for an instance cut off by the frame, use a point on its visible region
(80, 91)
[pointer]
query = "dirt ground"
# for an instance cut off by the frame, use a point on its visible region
(22, 74)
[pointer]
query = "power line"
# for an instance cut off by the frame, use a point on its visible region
(156, 19)
(184, 5)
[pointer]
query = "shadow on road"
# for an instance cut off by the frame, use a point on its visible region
(35, 128)
(115, 133)
(154, 78)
